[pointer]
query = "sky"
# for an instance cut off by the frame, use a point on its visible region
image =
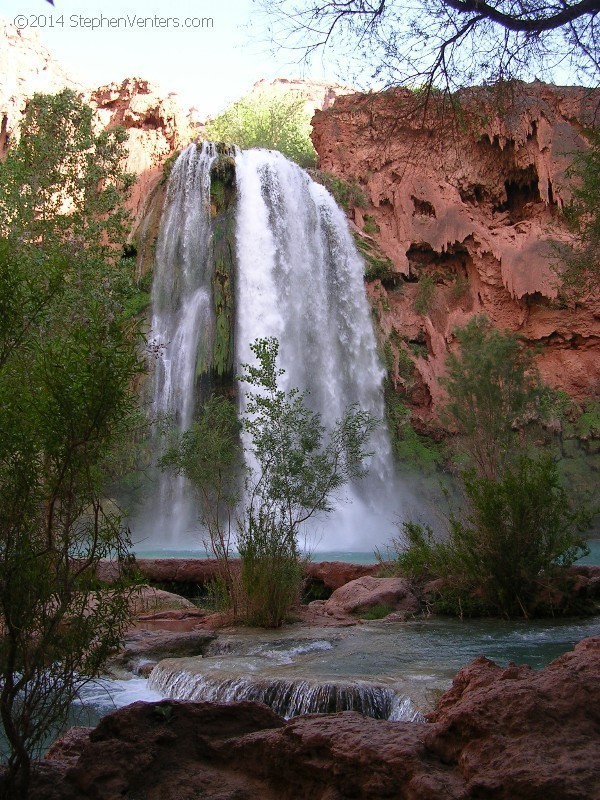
(208, 66)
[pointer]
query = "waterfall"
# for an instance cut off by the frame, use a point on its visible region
(299, 278)
(287, 697)
(182, 324)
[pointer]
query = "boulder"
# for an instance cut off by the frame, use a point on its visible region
(334, 574)
(498, 734)
(518, 733)
(68, 748)
(147, 600)
(368, 592)
(144, 648)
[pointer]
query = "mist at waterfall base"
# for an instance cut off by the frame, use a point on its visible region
(298, 278)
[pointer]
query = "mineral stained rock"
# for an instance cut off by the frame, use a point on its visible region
(503, 733)
(466, 206)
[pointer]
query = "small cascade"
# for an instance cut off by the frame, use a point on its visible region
(287, 697)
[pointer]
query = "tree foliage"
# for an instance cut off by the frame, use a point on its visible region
(68, 358)
(493, 389)
(291, 471)
(296, 466)
(579, 269)
(447, 43)
(518, 526)
(209, 454)
(272, 120)
(502, 557)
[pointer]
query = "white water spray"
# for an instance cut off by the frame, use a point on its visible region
(300, 279)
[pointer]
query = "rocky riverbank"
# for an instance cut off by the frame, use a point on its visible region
(505, 733)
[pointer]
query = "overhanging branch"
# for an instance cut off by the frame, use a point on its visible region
(533, 21)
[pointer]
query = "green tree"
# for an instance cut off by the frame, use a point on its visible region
(519, 525)
(210, 456)
(296, 467)
(493, 390)
(68, 357)
(272, 120)
(507, 550)
(292, 468)
(579, 267)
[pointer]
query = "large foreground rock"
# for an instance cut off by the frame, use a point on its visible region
(367, 593)
(502, 734)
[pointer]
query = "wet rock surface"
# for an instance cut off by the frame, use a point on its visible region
(143, 647)
(505, 733)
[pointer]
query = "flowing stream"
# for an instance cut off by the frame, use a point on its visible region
(385, 670)
(299, 278)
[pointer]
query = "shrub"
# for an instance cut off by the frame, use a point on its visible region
(268, 119)
(493, 388)
(424, 295)
(579, 265)
(347, 194)
(370, 226)
(515, 535)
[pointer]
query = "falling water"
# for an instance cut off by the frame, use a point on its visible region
(182, 322)
(300, 279)
(287, 697)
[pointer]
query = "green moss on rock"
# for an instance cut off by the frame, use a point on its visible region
(223, 295)
(222, 183)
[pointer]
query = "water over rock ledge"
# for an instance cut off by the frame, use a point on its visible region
(504, 733)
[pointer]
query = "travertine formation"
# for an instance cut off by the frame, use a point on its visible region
(466, 204)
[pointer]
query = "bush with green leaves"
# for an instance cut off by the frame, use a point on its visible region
(517, 532)
(68, 360)
(272, 120)
(298, 467)
(347, 194)
(579, 267)
(210, 456)
(424, 294)
(493, 391)
(519, 526)
(292, 468)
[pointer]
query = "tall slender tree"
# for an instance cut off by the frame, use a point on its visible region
(68, 357)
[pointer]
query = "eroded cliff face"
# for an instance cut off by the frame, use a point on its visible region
(156, 125)
(466, 205)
